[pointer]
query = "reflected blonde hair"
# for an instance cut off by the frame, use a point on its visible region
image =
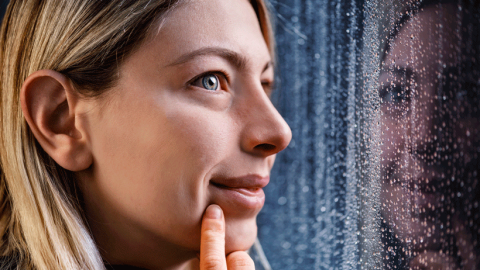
(41, 223)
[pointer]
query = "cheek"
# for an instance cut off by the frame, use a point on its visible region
(208, 136)
(202, 123)
(153, 159)
(465, 138)
(161, 138)
(392, 134)
(141, 164)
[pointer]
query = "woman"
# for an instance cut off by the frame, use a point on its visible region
(122, 121)
(429, 96)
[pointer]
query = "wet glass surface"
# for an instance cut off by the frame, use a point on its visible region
(429, 89)
(311, 217)
(383, 100)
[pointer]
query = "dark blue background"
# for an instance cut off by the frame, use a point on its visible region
(302, 225)
(3, 6)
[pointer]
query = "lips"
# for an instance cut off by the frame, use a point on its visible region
(240, 192)
(248, 182)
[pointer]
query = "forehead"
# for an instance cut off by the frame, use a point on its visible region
(430, 35)
(196, 24)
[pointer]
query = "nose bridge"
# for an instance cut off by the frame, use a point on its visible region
(429, 129)
(265, 132)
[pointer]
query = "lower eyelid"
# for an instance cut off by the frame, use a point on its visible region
(222, 81)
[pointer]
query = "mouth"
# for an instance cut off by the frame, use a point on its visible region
(422, 199)
(245, 192)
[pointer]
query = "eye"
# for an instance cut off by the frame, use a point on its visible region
(393, 94)
(395, 99)
(268, 86)
(208, 81)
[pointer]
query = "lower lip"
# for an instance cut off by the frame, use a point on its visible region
(243, 197)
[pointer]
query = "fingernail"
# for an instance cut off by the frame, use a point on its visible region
(213, 212)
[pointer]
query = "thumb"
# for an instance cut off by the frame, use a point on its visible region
(212, 243)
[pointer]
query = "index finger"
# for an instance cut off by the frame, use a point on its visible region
(212, 243)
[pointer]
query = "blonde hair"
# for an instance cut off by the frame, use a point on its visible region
(41, 222)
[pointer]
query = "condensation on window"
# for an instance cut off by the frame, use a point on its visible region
(429, 87)
(383, 98)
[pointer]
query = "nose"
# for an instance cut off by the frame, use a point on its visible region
(265, 132)
(431, 136)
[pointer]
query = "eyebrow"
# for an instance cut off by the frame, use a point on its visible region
(237, 60)
(233, 57)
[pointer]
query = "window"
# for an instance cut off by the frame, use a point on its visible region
(383, 99)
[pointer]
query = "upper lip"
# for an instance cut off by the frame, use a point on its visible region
(250, 181)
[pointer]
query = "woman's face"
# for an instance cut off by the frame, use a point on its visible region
(189, 123)
(428, 127)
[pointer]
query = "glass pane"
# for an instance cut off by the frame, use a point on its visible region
(311, 216)
(429, 88)
(383, 101)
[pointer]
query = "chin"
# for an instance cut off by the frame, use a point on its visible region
(240, 234)
(421, 235)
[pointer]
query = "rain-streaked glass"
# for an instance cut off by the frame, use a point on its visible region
(429, 89)
(383, 98)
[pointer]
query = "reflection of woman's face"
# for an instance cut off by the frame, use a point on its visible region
(426, 124)
(189, 124)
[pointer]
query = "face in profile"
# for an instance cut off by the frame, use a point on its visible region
(188, 124)
(430, 134)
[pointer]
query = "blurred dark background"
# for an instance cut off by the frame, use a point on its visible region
(3, 7)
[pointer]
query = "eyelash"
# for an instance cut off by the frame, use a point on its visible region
(393, 93)
(222, 76)
(268, 86)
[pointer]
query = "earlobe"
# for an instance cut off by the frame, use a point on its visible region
(48, 103)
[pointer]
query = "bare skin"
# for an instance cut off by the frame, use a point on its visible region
(212, 248)
(413, 174)
(188, 124)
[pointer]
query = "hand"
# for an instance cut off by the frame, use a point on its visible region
(212, 246)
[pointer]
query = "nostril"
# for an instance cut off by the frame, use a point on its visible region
(265, 147)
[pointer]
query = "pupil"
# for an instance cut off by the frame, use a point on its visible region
(210, 82)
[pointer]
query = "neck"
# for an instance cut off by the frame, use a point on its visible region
(120, 245)
(153, 257)
(123, 242)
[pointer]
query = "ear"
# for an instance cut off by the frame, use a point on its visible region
(48, 102)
